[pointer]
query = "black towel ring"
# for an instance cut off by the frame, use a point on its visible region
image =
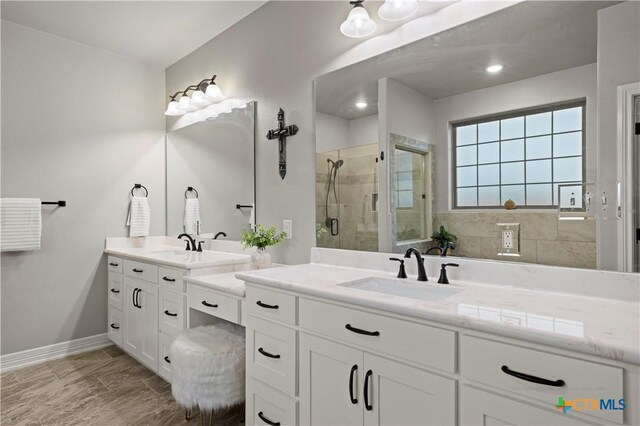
(139, 186)
(190, 189)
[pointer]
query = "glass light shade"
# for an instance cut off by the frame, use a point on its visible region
(397, 10)
(172, 109)
(198, 99)
(184, 104)
(358, 23)
(213, 93)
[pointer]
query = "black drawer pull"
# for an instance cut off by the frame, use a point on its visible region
(208, 305)
(171, 280)
(354, 369)
(170, 314)
(267, 421)
(115, 327)
(264, 305)
(361, 331)
(267, 354)
(113, 290)
(114, 264)
(167, 360)
(533, 379)
(138, 271)
(367, 376)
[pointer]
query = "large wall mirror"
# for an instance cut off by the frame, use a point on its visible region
(215, 158)
(486, 132)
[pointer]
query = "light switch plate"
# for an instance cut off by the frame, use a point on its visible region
(287, 227)
(508, 239)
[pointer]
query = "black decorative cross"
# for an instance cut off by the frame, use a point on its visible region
(281, 134)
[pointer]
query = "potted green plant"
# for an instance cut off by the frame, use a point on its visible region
(261, 238)
(444, 240)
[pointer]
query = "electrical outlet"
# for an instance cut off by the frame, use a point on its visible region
(509, 237)
(287, 227)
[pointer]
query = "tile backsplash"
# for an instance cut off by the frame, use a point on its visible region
(543, 238)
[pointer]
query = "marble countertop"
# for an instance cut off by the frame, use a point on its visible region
(226, 282)
(602, 327)
(178, 257)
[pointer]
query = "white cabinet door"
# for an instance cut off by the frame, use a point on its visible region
(486, 409)
(132, 324)
(148, 300)
(396, 394)
(330, 383)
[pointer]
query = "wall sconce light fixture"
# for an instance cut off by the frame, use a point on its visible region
(204, 94)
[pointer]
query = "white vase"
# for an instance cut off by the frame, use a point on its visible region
(261, 259)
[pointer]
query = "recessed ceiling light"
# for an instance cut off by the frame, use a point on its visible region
(494, 68)
(361, 105)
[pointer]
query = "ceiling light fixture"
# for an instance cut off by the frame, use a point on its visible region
(204, 94)
(494, 68)
(397, 10)
(361, 105)
(358, 24)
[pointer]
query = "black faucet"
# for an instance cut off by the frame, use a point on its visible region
(422, 274)
(218, 234)
(443, 273)
(191, 246)
(443, 250)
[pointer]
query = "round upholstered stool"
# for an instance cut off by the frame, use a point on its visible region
(207, 368)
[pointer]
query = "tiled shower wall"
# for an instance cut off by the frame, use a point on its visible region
(543, 238)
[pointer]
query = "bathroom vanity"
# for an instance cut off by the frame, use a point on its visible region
(332, 343)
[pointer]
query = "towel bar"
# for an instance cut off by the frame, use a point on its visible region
(190, 189)
(138, 186)
(55, 203)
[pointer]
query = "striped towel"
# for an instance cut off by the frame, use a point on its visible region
(191, 216)
(20, 224)
(139, 218)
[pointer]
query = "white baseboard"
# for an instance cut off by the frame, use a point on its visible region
(21, 359)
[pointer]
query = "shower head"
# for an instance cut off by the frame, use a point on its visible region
(338, 164)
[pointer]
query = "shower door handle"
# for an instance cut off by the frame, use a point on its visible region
(335, 227)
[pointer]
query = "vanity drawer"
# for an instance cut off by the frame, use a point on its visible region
(271, 354)
(114, 264)
(114, 325)
(491, 362)
(419, 343)
(265, 405)
(115, 290)
(140, 270)
(171, 315)
(213, 303)
(171, 278)
(164, 362)
(271, 305)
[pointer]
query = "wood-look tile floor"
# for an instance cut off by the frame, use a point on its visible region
(101, 387)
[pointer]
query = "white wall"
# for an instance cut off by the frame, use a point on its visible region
(363, 130)
(574, 83)
(618, 64)
(272, 56)
(334, 133)
(82, 125)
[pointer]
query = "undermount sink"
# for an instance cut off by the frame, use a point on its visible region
(415, 290)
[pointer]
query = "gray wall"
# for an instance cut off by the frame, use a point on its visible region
(273, 56)
(81, 125)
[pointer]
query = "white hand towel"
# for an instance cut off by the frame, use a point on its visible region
(252, 217)
(20, 224)
(191, 216)
(139, 219)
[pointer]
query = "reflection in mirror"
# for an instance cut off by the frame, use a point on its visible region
(457, 143)
(216, 158)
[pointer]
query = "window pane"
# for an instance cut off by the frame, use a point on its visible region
(567, 144)
(567, 169)
(539, 124)
(405, 181)
(467, 197)
(466, 135)
(489, 196)
(467, 176)
(403, 161)
(513, 150)
(489, 153)
(405, 199)
(512, 172)
(539, 171)
(512, 128)
(513, 192)
(489, 132)
(539, 195)
(467, 155)
(539, 147)
(489, 175)
(567, 120)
